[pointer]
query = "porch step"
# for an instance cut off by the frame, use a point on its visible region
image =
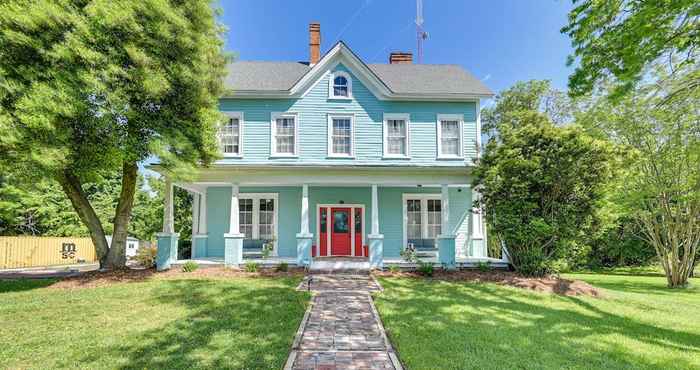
(340, 266)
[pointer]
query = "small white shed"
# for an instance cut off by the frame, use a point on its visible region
(132, 245)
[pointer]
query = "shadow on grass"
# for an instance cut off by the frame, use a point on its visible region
(20, 285)
(654, 284)
(227, 325)
(487, 326)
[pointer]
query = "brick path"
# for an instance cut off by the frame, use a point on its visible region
(341, 330)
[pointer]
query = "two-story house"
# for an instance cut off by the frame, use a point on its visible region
(336, 157)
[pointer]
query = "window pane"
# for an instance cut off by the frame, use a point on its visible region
(324, 216)
(284, 135)
(450, 137)
(396, 136)
(340, 222)
(340, 86)
(434, 218)
(266, 217)
(229, 136)
(341, 136)
(245, 217)
(413, 222)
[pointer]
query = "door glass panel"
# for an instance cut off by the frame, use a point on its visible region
(358, 220)
(266, 218)
(324, 216)
(340, 222)
(245, 217)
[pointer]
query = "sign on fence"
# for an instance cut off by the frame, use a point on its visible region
(35, 251)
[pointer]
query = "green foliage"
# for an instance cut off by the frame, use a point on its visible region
(425, 268)
(189, 266)
(393, 268)
(251, 266)
(541, 185)
(409, 254)
(622, 39)
(282, 267)
(146, 256)
(483, 266)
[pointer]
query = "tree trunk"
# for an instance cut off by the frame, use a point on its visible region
(116, 257)
(74, 190)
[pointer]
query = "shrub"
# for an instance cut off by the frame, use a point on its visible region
(251, 266)
(425, 268)
(394, 269)
(267, 248)
(483, 266)
(146, 256)
(409, 254)
(282, 267)
(189, 266)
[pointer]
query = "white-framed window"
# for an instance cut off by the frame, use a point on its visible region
(257, 216)
(340, 86)
(284, 135)
(341, 135)
(422, 217)
(397, 135)
(231, 135)
(450, 135)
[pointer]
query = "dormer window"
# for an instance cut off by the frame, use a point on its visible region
(230, 134)
(340, 86)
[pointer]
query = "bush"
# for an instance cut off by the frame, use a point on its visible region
(282, 267)
(394, 269)
(146, 256)
(251, 266)
(425, 268)
(483, 266)
(409, 254)
(189, 266)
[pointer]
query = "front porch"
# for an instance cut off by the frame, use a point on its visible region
(274, 218)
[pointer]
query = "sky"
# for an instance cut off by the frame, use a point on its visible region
(498, 41)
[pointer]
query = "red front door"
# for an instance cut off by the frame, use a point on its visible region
(340, 232)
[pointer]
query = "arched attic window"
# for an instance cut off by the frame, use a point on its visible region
(341, 86)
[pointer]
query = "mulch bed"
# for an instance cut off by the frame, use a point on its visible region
(550, 284)
(95, 279)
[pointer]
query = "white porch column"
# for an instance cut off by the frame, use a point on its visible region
(195, 214)
(168, 219)
(376, 240)
(233, 240)
(478, 247)
(202, 228)
(305, 209)
(375, 211)
(167, 240)
(446, 251)
(199, 240)
(304, 237)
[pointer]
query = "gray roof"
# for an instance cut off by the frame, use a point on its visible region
(399, 78)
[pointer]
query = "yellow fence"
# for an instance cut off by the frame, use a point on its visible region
(33, 251)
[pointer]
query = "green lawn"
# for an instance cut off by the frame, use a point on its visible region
(460, 325)
(161, 323)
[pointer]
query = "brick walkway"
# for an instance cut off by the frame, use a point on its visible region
(341, 330)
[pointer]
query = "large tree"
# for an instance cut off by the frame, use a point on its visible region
(88, 87)
(620, 40)
(541, 184)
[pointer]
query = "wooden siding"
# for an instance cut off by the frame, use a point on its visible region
(33, 251)
(312, 114)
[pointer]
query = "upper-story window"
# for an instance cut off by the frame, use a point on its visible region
(340, 86)
(396, 135)
(284, 135)
(449, 135)
(340, 135)
(230, 134)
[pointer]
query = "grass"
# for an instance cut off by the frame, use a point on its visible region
(640, 324)
(160, 323)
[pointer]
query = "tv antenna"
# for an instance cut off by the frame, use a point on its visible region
(421, 35)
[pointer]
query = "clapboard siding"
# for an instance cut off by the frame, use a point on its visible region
(313, 109)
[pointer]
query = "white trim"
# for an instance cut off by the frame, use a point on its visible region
(478, 129)
(328, 226)
(406, 117)
(238, 115)
(273, 132)
(423, 197)
(255, 197)
(331, 85)
(329, 138)
(450, 117)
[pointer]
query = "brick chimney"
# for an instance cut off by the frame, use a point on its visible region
(314, 42)
(398, 57)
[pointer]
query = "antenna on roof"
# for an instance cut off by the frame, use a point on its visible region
(421, 35)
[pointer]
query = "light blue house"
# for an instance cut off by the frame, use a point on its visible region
(336, 157)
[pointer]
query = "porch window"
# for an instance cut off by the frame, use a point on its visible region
(230, 135)
(258, 219)
(422, 219)
(449, 136)
(396, 135)
(284, 135)
(340, 138)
